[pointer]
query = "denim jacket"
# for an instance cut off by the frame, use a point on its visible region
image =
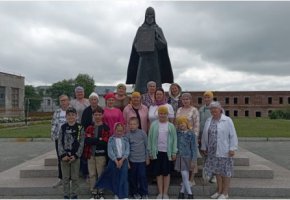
(112, 148)
(186, 145)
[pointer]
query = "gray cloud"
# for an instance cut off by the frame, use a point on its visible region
(50, 41)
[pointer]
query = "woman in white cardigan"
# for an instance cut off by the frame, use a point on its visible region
(219, 143)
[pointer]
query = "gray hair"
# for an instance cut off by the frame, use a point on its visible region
(150, 83)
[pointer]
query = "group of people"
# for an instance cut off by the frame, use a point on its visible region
(115, 144)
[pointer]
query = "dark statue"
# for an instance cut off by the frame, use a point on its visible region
(149, 60)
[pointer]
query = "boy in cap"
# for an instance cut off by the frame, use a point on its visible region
(70, 148)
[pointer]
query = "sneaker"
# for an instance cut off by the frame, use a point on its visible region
(159, 196)
(222, 196)
(116, 197)
(180, 195)
(190, 196)
(57, 184)
(136, 196)
(144, 197)
(66, 197)
(165, 196)
(212, 179)
(74, 197)
(101, 195)
(215, 195)
(192, 183)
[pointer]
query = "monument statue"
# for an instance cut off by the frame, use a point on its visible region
(149, 60)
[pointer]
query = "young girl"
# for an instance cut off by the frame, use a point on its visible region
(186, 156)
(115, 176)
(162, 149)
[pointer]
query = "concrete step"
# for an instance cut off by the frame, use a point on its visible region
(42, 187)
(253, 171)
(239, 160)
(12, 186)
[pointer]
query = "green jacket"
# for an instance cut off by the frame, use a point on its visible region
(153, 140)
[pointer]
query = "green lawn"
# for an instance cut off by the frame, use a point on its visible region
(246, 127)
(262, 127)
(31, 131)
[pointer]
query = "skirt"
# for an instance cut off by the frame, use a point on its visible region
(182, 164)
(162, 165)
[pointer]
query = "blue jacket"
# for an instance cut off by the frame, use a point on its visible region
(112, 148)
(186, 145)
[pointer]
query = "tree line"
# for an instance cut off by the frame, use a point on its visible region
(33, 95)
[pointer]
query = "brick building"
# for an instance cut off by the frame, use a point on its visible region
(247, 103)
(11, 95)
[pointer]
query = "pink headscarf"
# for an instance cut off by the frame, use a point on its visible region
(115, 126)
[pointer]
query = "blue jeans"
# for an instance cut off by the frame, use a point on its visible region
(138, 179)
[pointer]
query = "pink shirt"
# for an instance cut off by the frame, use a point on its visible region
(112, 116)
(129, 112)
(162, 137)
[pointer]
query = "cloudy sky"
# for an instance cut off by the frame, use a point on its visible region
(212, 45)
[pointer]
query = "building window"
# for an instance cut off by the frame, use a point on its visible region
(247, 99)
(236, 113)
(227, 113)
(48, 102)
(288, 100)
(2, 97)
(280, 100)
(258, 114)
(269, 112)
(227, 100)
(199, 100)
(235, 100)
(15, 97)
(246, 113)
(269, 100)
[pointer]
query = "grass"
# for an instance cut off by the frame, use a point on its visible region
(246, 127)
(262, 127)
(31, 131)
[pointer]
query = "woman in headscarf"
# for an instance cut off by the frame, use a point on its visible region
(160, 100)
(136, 109)
(174, 98)
(112, 115)
(121, 98)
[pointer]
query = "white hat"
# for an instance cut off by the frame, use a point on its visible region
(93, 94)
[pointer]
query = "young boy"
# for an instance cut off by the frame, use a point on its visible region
(70, 148)
(95, 150)
(138, 158)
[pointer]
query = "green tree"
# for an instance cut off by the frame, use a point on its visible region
(32, 98)
(62, 87)
(87, 82)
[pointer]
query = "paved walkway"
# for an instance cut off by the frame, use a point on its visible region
(275, 151)
(14, 153)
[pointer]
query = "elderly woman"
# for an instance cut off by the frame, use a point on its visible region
(121, 98)
(148, 98)
(136, 109)
(112, 115)
(160, 100)
(87, 117)
(80, 102)
(204, 111)
(174, 98)
(219, 143)
(192, 115)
